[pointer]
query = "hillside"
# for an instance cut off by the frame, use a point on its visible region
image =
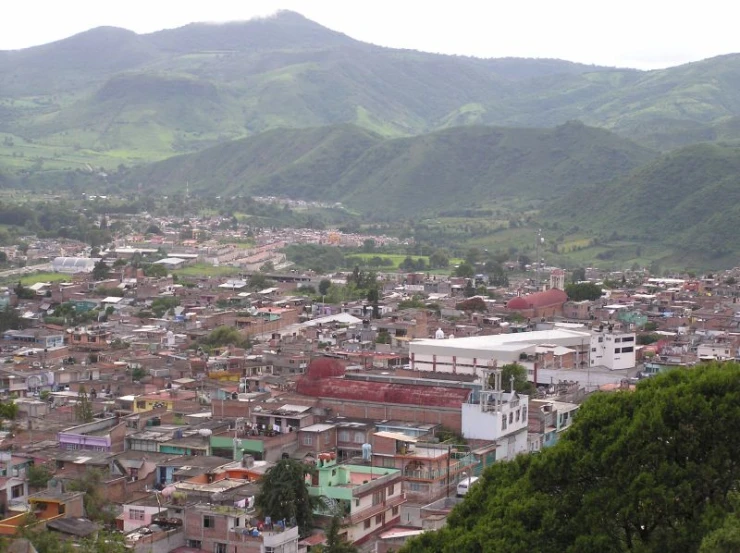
(459, 166)
(688, 200)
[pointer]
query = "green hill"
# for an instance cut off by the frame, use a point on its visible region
(688, 200)
(459, 166)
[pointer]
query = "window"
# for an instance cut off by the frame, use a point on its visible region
(219, 548)
(367, 524)
(344, 435)
(628, 350)
(16, 491)
(136, 514)
(379, 519)
(601, 339)
(389, 462)
(593, 349)
(195, 544)
(209, 522)
(359, 437)
(617, 340)
(628, 339)
(395, 511)
(503, 423)
(237, 522)
(511, 418)
(307, 439)
(327, 437)
(518, 414)
(391, 489)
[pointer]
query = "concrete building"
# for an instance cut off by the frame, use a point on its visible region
(497, 416)
(473, 355)
(370, 498)
(612, 349)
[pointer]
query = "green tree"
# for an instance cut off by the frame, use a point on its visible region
(92, 484)
(38, 476)
(439, 259)
(583, 291)
(465, 270)
(8, 410)
(324, 286)
(284, 494)
(647, 471)
(336, 543)
(100, 270)
(519, 373)
(258, 281)
(155, 270)
(83, 407)
(578, 275)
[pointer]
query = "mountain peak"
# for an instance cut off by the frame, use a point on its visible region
(283, 29)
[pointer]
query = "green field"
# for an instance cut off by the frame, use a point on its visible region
(28, 280)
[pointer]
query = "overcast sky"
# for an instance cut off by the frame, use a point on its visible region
(645, 34)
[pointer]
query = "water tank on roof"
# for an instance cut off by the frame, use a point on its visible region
(367, 452)
(205, 432)
(178, 434)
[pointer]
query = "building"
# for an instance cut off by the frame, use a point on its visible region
(73, 265)
(612, 349)
(494, 415)
(100, 435)
(34, 338)
(223, 529)
(369, 497)
(473, 355)
(430, 470)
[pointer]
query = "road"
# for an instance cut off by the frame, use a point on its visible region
(25, 270)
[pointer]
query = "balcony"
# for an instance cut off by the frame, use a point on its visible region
(381, 507)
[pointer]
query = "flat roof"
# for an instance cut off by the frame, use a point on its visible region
(497, 342)
(396, 436)
(318, 427)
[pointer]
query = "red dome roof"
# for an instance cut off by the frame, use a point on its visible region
(538, 300)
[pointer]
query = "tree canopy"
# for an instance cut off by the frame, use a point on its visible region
(284, 494)
(652, 470)
(583, 291)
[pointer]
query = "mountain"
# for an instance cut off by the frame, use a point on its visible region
(687, 200)
(110, 96)
(458, 166)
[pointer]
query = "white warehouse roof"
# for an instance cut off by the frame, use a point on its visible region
(74, 264)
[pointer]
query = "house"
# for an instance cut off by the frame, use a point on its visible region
(47, 505)
(100, 435)
(223, 529)
(369, 498)
(430, 471)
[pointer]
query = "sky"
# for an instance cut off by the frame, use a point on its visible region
(646, 34)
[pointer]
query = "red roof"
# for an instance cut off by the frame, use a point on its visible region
(383, 392)
(539, 299)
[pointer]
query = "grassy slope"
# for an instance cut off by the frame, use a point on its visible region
(688, 200)
(454, 167)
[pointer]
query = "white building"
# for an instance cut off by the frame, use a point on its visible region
(72, 265)
(498, 416)
(471, 356)
(613, 349)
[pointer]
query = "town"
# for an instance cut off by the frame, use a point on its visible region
(155, 400)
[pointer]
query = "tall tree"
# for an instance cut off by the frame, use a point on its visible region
(100, 270)
(336, 543)
(83, 407)
(284, 494)
(648, 471)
